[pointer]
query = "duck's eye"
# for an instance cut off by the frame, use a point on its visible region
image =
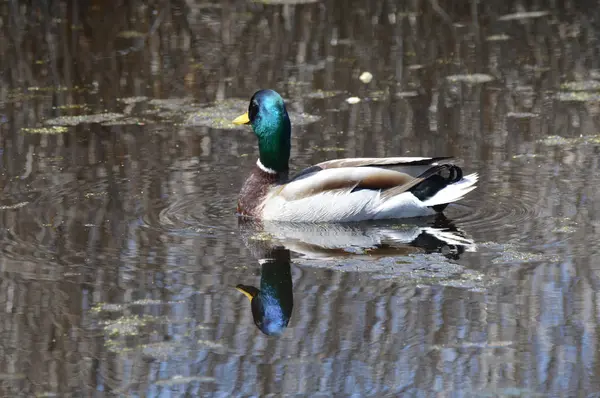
(253, 110)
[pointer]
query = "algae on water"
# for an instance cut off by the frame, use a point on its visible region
(221, 114)
(81, 119)
(555, 140)
(578, 96)
(45, 130)
(583, 85)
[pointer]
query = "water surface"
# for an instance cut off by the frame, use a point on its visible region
(121, 252)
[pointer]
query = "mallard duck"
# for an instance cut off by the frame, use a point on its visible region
(340, 190)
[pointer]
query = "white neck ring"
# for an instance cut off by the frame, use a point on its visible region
(265, 168)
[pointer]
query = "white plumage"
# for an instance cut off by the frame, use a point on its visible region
(324, 240)
(343, 205)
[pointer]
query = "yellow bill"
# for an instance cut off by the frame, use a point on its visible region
(242, 119)
(248, 291)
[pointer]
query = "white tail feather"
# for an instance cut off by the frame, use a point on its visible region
(452, 238)
(453, 192)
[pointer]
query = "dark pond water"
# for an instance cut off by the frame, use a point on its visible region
(123, 265)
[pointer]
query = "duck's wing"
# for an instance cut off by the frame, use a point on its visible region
(413, 166)
(362, 193)
(349, 179)
(381, 162)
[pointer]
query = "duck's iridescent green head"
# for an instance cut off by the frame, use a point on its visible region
(271, 124)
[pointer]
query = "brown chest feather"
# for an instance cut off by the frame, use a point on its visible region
(255, 189)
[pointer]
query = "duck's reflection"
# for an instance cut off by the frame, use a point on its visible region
(272, 304)
(271, 244)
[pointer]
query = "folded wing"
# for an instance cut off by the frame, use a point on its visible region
(381, 162)
(346, 179)
(413, 166)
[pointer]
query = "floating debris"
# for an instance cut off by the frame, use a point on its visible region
(578, 96)
(521, 115)
(414, 269)
(129, 121)
(378, 95)
(584, 85)
(536, 68)
(176, 380)
(203, 327)
(162, 350)
(555, 140)
(212, 345)
(132, 100)
(70, 107)
(125, 326)
(321, 94)
(89, 195)
(107, 307)
(84, 119)
(499, 37)
(469, 345)
(12, 376)
(130, 34)
(45, 130)
(221, 114)
(353, 100)
(475, 78)
(155, 302)
(14, 206)
(565, 229)
(527, 89)
(261, 237)
(171, 103)
(50, 89)
(515, 257)
(329, 149)
(527, 156)
(523, 15)
(407, 94)
(366, 77)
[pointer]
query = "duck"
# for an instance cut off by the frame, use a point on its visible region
(339, 190)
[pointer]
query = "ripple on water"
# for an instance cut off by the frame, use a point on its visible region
(499, 214)
(501, 209)
(39, 232)
(190, 215)
(512, 205)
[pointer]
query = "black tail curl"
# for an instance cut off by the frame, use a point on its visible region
(436, 179)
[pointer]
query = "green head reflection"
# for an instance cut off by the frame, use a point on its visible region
(272, 304)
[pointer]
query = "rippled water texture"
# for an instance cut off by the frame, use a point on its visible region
(125, 271)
